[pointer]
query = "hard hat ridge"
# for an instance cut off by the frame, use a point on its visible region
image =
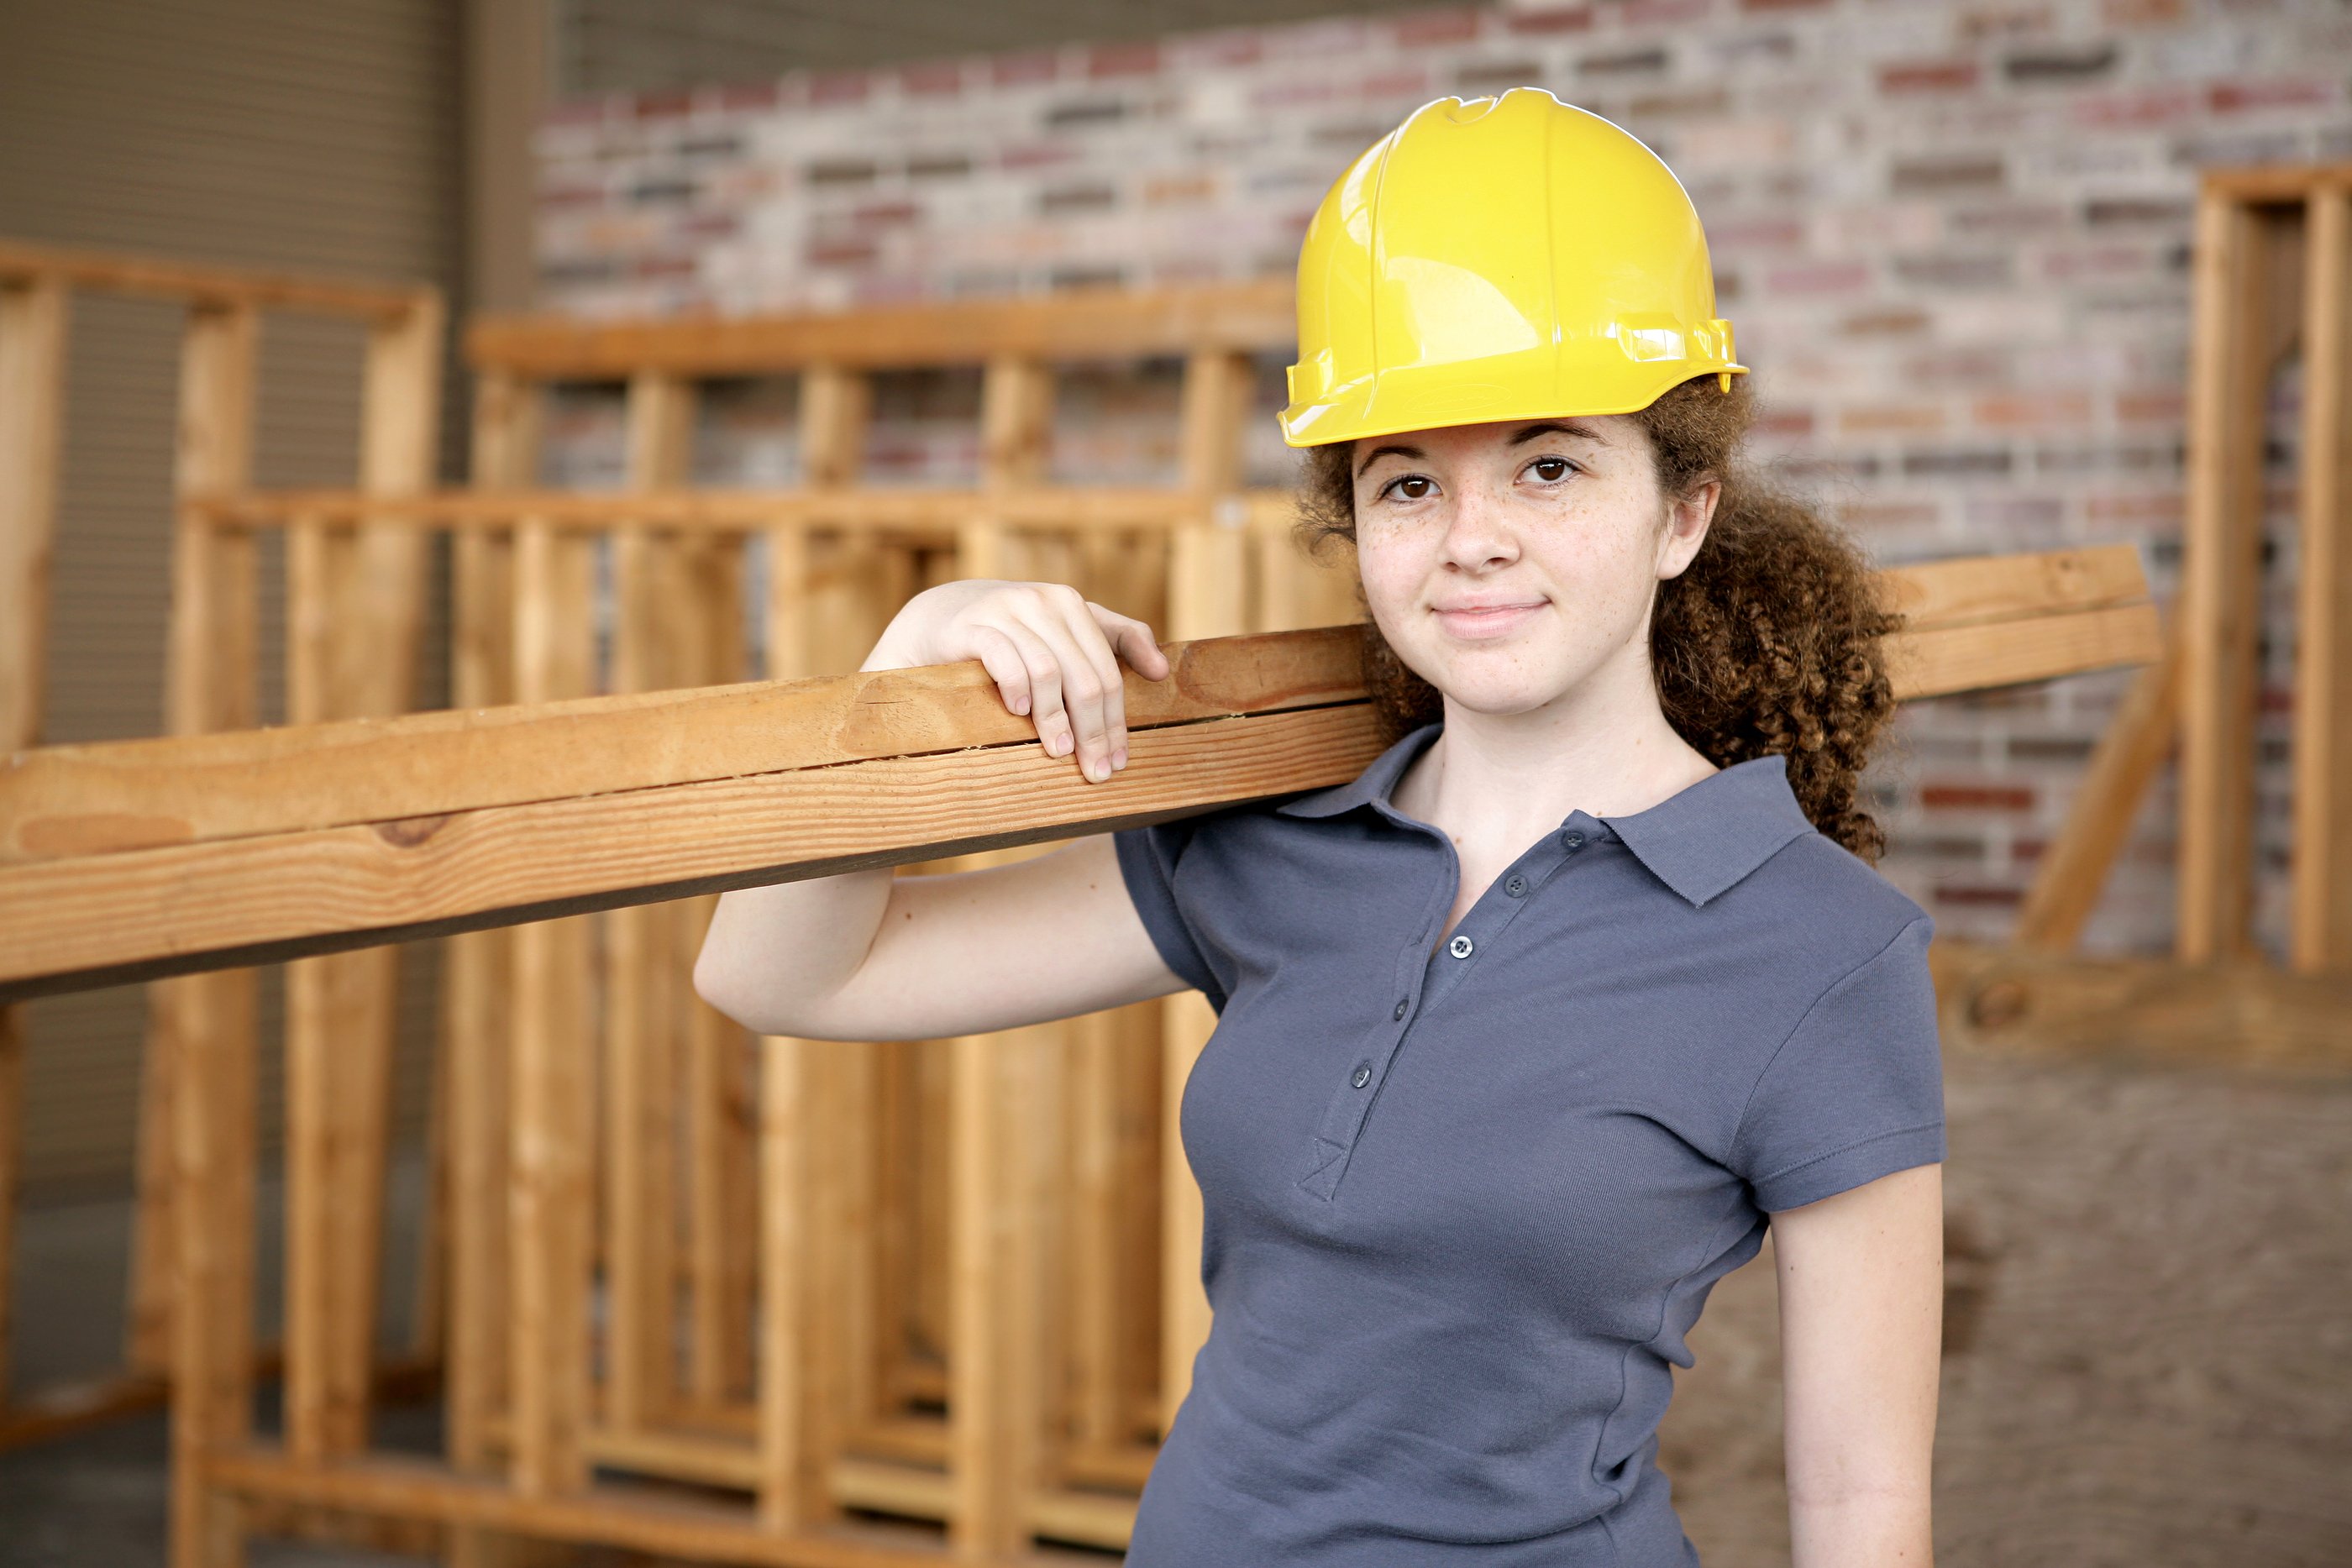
(1499, 259)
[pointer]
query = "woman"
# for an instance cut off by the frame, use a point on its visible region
(1529, 1032)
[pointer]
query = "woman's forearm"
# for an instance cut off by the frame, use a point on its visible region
(1889, 1528)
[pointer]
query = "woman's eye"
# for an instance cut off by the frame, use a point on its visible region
(1550, 468)
(1410, 487)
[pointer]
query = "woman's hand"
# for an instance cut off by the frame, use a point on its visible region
(1050, 650)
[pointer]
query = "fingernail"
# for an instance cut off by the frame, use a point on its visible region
(1097, 771)
(1020, 704)
(1119, 758)
(1062, 746)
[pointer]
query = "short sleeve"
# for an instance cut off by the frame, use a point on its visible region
(1148, 859)
(1856, 1092)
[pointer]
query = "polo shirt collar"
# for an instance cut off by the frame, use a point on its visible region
(1699, 841)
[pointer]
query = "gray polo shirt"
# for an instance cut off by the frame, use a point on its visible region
(1464, 1199)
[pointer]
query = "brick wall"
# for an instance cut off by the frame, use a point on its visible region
(1953, 237)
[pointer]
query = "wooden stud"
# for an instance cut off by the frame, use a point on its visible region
(2220, 612)
(32, 396)
(201, 1045)
(817, 1337)
(477, 976)
(2321, 939)
(551, 1105)
(641, 1045)
(356, 600)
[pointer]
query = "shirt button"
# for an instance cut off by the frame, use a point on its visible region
(1459, 946)
(1517, 887)
(1363, 1074)
(1573, 841)
(1401, 1006)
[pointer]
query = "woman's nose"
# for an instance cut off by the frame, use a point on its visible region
(1478, 533)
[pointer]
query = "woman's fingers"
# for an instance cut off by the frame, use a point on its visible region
(1056, 655)
(1083, 693)
(1044, 669)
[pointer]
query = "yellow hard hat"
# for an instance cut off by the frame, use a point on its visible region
(1499, 259)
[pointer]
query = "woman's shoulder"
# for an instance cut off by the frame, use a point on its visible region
(1835, 901)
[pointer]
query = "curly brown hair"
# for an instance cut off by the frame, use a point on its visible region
(1769, 641)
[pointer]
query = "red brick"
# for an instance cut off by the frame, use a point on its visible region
(1128, 59)
(1026, 68)
(2165, 405)
(878, 214)
(2155, 510)
(1976, 796)
(1643, 14)
(840, 86)
(1408, 83)
(2141, 13)
(1822, 278)
(748, 97)
(1879, 418)
(1896, 322)
(1435, 27)
(1972, 895)
(1929, 75)
(2034, 413)
(2293, 92)
(1757, 234)
(665, 105)
(2143, 107)
(1553, 19)
(1786, 423)
(931, 79)
(1785, 4)
(1035, 155)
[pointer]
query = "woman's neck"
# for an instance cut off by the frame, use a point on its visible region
(1508, 779)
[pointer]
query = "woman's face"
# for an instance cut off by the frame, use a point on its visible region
(1506, 564)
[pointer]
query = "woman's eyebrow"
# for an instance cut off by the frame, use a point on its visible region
(1558, 427)
(1411, 453)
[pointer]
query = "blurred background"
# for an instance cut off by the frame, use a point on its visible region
(1954, 236)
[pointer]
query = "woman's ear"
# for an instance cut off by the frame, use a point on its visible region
(1689, 516)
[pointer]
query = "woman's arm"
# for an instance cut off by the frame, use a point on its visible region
(870, 955)
(1862, 1315)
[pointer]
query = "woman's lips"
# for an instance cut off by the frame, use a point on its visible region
(1488, 622)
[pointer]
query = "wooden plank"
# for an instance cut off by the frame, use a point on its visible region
(124, 795)
(207, 288)
(2220, 611)
(1941, 661)
(80, 923)
(551, 1105)
(2321, 933)
(2277, 183)
(200, 1043)
(90, 920)
(2244, 1017)
(1074, 324)
(645, 1518)
(2067, 883)
(32, 398)
(1974, 590)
